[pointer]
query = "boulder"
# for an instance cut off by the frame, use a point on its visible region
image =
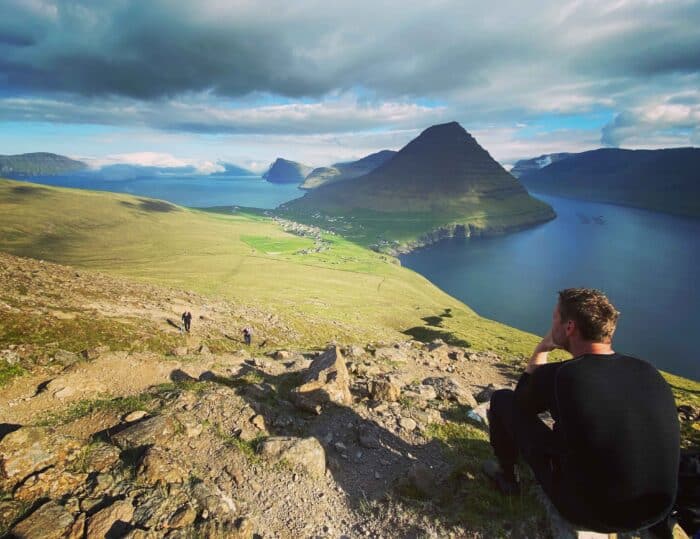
(485, 394)
(326, 381)
(282, 355)
(385, 390)
(50, 521)
(29, 449)
(390, 353)
(368, 437)
(159, 466)
(305, 453)
(178, 351)
(54, 482)
(112, 521)
(423, 480)
(66, 358)
(451, 390)
(155, 430)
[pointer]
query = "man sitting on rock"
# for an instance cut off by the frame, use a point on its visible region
(611, 461)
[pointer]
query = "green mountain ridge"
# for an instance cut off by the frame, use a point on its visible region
(38, 164)
(346, 171)
(441, 183)
(664, 180)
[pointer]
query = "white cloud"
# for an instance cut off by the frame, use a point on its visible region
(153, 159)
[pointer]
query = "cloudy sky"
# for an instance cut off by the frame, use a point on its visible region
(171, 82)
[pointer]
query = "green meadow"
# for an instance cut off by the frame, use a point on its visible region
(345, 293)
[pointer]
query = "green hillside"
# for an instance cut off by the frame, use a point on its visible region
(38, 164)
(441, 184)
(345, 292)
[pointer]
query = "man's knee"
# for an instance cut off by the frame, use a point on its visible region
(501, 403)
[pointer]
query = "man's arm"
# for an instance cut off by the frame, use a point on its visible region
(539, 356)
(535, 389)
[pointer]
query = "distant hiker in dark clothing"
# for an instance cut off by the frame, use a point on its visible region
(247, 336)
(611, 462)
(187, 319)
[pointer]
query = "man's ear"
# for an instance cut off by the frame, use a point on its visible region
(570, 327)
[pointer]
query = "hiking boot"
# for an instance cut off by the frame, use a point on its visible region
(506, 485)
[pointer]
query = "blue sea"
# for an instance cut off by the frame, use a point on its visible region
(647, 263)
(188, 190)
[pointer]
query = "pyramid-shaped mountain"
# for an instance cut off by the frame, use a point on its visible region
(441, 184)
(441, 167)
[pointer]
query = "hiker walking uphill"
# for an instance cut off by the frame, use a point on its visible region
(187, 320)
(610, 463)
(247, 335)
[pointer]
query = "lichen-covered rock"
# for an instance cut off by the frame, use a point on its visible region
(385, 389)
(155, 430)
(485, 394)
(159, 466)
(29, 449)
(326, 381)
(112, 521)
(306, 453)
(54, 483)
(451, 390)
(50, 521)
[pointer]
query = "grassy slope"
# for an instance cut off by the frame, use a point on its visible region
(367, 227)
(347, 293)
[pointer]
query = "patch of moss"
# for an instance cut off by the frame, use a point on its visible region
(8, 372)
(83, 408)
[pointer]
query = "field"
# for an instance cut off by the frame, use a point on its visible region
(345, 293)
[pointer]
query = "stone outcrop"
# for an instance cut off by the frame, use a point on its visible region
(326, 381)
(306, 453)
(451, 390)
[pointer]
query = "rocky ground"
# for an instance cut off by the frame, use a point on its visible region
(115, 424)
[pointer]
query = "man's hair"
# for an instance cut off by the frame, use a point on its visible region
(591, 310)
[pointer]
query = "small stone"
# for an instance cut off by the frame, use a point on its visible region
(407, 423)
(135, 416)
(368, 437)
(183, 517)
(259, 422)
(203, 350)
(282, 354)
(385, 390)
(178, 351)
(111, 520)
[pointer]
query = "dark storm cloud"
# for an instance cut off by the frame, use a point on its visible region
(183, 65)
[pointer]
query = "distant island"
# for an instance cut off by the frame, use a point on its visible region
(661, 180)
(346, 171)
(285, 171)
(441, 184)
(38, 164)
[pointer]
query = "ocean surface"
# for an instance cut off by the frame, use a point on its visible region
(193, 191)
(647, 263)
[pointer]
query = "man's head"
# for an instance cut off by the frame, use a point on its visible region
(585, 314)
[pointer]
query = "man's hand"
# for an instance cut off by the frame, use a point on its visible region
(539, 356)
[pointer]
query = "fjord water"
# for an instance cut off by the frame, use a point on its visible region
(193, 191)
(647, 263)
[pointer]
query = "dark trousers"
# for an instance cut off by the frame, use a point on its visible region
(514, 433)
